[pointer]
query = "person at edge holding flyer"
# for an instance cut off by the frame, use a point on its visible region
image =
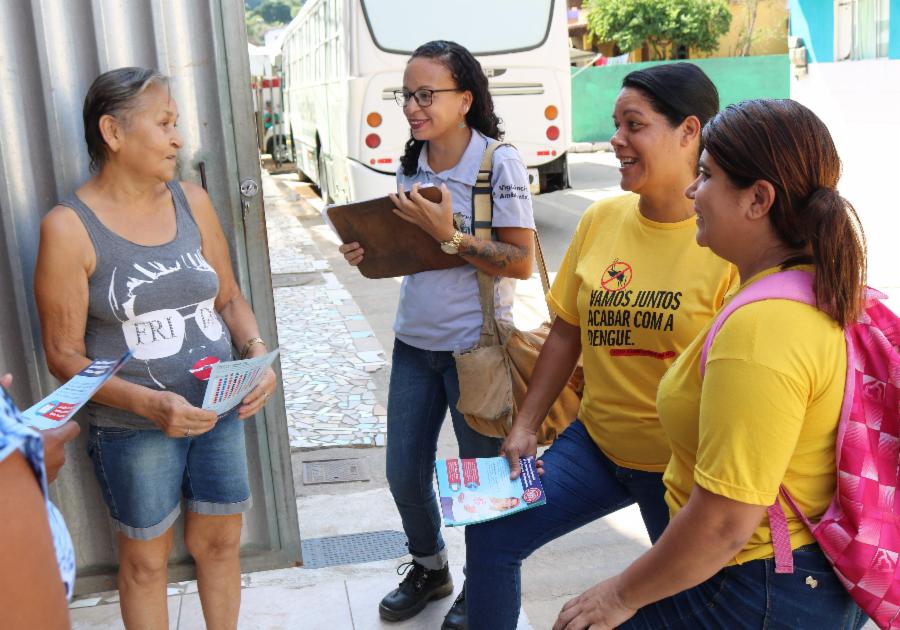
(632, 292)
(37, 574)
(134, 259)
(445, 98)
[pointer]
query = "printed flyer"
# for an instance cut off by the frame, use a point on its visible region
(476, 490)
(230, 381)
(62, 404)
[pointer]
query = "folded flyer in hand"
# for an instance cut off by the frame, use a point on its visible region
(61, 405)
(230, 381)
(475, 490)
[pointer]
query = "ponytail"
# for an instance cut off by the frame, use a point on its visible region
(410, 158)
(839, 254)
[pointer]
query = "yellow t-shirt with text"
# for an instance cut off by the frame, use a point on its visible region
(765, 413)
(640, 291)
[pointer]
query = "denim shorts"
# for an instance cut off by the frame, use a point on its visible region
(143, 474)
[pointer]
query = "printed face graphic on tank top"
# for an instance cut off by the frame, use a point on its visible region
(148, 299)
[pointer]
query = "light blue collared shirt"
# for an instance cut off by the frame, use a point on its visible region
(440, 310)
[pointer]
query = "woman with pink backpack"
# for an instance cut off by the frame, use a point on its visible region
(752, 406)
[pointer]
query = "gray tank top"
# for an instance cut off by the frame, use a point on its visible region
(158, 301)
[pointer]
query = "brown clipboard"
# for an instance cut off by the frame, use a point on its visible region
(392, 247)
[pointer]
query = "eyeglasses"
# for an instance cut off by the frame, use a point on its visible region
(423, 96)
(160, 334)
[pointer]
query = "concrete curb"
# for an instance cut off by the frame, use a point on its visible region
(589, 147)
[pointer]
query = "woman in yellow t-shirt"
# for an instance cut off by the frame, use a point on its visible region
(633, 290)
(766, 411)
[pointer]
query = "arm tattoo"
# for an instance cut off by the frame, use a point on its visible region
(497, 254)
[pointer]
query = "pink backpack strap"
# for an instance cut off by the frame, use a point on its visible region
(781, 538)
(798, 286)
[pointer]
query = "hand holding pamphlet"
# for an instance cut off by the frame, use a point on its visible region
(475, 490)
(230, 381)
(61, 405)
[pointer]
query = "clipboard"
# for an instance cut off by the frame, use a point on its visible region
(393, 247)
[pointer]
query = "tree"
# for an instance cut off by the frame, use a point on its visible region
(663, 25)
(262, 15)
(750, 33)
(274, 11)
(745, 38)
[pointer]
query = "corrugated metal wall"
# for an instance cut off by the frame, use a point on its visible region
(50, 52)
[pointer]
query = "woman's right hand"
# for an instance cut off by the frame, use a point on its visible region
(521, 442)
(178, 418)
(353, 253)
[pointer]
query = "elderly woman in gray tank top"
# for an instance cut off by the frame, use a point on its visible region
(134, 259)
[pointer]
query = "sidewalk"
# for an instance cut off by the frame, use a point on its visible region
(335, 380)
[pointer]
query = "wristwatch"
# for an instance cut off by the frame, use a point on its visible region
(452, 246)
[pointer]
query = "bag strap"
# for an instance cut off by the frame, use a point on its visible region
(482, 221)
(483, 216)
(785, 285)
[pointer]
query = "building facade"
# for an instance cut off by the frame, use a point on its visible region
(852, 81)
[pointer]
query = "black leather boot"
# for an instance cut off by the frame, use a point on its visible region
(419, 587)
(457, 618)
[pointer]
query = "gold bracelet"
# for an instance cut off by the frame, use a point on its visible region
(250, 343)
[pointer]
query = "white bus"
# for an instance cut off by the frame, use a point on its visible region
(343, 59)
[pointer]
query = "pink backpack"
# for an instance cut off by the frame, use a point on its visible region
(860, 530)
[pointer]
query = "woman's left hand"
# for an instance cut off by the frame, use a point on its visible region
(598, 608)
(258, 396)
(435, 219)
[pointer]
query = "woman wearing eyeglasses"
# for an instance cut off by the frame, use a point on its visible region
(135, 259)
(451, 117)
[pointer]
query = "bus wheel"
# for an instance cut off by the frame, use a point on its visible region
(322, 184)
(554, 175)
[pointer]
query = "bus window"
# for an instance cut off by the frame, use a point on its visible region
(508, 25)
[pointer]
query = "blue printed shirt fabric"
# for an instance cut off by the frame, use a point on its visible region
(15, 435)
(439, 310)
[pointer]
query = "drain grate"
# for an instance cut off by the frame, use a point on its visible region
(335, 471)
(353, 549)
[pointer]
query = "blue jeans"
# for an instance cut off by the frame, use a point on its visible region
(752, 596)
(581, 485)
(143, 474)
(423, 382)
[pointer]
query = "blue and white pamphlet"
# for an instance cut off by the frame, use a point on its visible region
(476, 490)
(61, 405)
(230, 381)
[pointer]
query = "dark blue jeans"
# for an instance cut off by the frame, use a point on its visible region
(752, 596)
(423, 383)
(581, 485)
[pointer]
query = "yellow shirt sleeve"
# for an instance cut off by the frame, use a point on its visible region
(563, 296)
(765, 414)
(769, 403)
(750, 419)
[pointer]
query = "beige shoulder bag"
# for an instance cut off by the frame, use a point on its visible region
(494, 376)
